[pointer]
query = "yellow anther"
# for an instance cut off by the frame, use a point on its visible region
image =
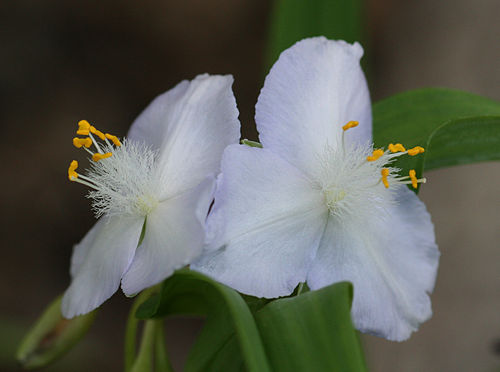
(79, 142)
(113, 139)
(83, 128)
(350, 125)
(97, 156)
(416, 150)
(72, 175)
(396, 148)
(98, 133)
(376, 154)
(413, 178)
(385, 172)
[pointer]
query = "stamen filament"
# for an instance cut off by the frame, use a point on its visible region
(88, 184)
(95, 143)
(90, 152)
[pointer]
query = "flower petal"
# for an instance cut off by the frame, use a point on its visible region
(81, 249)
(108, 256)
(265, 225)
(173, 238)
(314, 88)
(392, 263)
(190, 125)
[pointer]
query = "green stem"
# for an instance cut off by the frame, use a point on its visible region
(144, 360)
(131, 330)
(161, 357)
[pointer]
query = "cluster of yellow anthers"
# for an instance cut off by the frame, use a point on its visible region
(85, 129)
(393, 150)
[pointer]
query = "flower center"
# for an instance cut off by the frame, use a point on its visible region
(355, 177)
(122, 176)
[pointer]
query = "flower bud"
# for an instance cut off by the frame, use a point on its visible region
(52, 336)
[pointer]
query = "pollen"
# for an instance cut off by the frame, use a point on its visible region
(413, 178)
(385, 173)
(396, 148)
(79, 142)
(349, 125)
(96, 157)
(113, 139)
(375, 155)
(98, 133)
(83, 128)
(72, 175)
(416, 150)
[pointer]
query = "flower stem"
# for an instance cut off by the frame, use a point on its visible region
(131, 330)
(144, 360)
(162, 363)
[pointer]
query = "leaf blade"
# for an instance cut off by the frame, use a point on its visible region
(293, 20)
(189, 292)
(312, 332)
(413, 117)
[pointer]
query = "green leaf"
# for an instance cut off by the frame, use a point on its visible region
(228, 316)
(464, 141)
(52, 336)
(312, 332)
(455, 127)
(293, 20)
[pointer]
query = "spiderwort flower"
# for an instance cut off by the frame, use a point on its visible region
(158, 183)
(318, 203)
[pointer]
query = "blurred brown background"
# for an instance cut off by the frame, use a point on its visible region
(62, 61)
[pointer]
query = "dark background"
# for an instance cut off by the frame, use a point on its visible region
(62, 61)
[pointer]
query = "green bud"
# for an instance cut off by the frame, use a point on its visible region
(52, 336)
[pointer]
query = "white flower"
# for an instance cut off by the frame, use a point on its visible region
(158, 182)
(317, 203)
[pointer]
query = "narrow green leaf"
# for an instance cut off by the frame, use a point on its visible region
(312, 332)
(189, 292)
(430, 117)
(293, 20)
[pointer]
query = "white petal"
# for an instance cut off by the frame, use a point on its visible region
(190, 125)
(265, 225)
(314, 88)
(392, 263)
(81, 249)
(107, 259)
(173, 238)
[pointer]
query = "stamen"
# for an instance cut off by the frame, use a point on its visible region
(96, 157)
(396, 148)
(349, 125)
(414, 180)
(79, 142)
(375, 155)
(98, 133)
(385, 172)
(83, 128)
(72, 175)
(95, 143)
(416, 150)
(113, 139)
